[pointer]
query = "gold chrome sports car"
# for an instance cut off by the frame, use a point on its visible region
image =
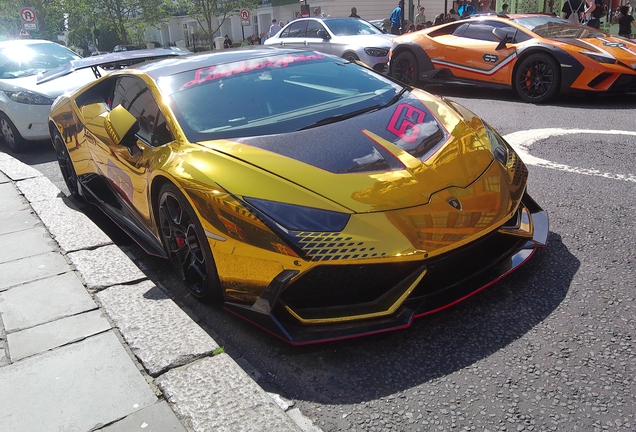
(538, 56)
(317, 198)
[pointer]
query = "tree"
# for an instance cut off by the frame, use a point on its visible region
(124, 17)
(211, 14)
(50, 17)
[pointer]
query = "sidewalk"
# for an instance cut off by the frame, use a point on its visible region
(87, 342)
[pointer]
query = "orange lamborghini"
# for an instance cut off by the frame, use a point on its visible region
(539, 56)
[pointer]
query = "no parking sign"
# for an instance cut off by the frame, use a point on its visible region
(29, 18)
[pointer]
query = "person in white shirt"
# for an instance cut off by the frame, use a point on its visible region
(274, 28)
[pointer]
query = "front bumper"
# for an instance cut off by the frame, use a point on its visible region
(29, 120)
(304, 312)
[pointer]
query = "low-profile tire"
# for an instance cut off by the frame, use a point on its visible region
(350, 56)
(12, 138)
(405, 69)
(537, 78)
(66, 166)
(187, 245)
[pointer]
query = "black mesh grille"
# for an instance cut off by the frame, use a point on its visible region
(345, 285)
(458, 266)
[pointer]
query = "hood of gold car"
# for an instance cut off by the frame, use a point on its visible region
(394, 157)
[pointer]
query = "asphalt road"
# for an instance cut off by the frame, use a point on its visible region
(550, 347)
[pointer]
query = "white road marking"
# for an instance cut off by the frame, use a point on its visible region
(522, 140)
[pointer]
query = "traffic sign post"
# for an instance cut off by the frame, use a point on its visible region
(29, 19)
(245, 20)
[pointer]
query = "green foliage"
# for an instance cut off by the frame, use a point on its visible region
(283, 2)
(211, 14)
(218, 351)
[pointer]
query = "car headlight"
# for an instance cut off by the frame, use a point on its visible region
(28, 97)
(299, 218)
(599, 58)
(498, 146)
(376, 52)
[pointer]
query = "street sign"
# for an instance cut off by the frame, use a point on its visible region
(245, 14)
(27, 14)
(23, 33)
(29, 18)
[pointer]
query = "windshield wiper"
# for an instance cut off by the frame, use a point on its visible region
(397, 97)
(340, 117)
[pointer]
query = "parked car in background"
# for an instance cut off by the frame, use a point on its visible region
(317, 198)
(349, 38)
(539, 56)
(35, 72)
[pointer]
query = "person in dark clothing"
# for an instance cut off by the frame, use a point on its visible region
(572, 6)
(396, 20)
(227, 42)
(354, 13)
(625, 22)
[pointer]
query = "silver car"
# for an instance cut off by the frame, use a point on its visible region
(349, 38)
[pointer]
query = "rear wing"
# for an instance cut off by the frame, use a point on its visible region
(109, 61)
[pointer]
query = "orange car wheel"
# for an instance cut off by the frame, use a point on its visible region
(187, 245)
(405, 68)
(537, 78)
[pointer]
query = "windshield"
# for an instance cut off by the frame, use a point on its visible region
(18, 60)
(273, 94)
(351, 27)
(553, 28)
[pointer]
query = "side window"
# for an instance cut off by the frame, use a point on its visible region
(480, 31)
(133, 94)
(297, 29)
(312, 29)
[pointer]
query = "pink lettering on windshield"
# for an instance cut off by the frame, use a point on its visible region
(212, 73)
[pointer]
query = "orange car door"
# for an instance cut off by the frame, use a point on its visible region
(470, 53)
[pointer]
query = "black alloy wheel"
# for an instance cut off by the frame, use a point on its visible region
(405, 69)
(537, 78)
(12, 137)
(66, 166)
(187, 245)
(351, 56)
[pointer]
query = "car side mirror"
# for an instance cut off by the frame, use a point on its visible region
(503, 37)
(322, 33)
(121, 126)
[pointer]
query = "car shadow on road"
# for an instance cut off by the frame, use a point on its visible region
(364, 369)
(39, 152)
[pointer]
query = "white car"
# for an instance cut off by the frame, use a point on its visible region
(25, 105)
(33, 73)
(349, 38)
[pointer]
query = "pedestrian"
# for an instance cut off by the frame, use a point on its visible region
(629, 7)
(572, 10)
(420, 18)
(263, 38)
(317, 13)
(274, 28)
(227, 42)
(454, 15)
(467, 9)
(625, 22)
(281, 24)
(396, 20)
(354, 13)
(504, 9)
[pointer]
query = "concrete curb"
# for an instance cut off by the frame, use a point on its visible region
(204, 390)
